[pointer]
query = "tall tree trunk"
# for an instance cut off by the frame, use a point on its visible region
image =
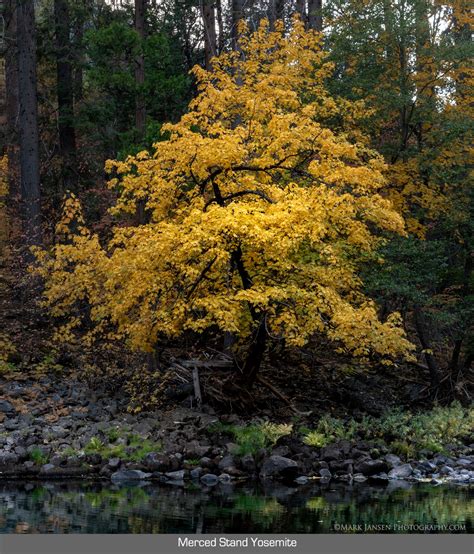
(300, 8)
(28, 124)
(237, 16)
(389, 36)
(220, 26)
(78, 77)
(12, 110)
(425, 81)
(430, 360)
(209, 24)
(67, 133)
(276, 11)
(140, 111)
(315, 15)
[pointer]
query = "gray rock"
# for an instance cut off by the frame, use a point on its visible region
(371, 467)
(175, 475)
(114, 463)
(11, 424)
(401, 472)
(57, 460)
(380, 477)
(58, 432)
(225, 478)
(331, 453)
(157, 462)
(392, 460)
(278, 467)
(209, 479)
(7, 407)
(196, 473)
(441, 459)
(48, 468)
(20, 451)
(359, 478)
(446, 470)
(196, 450)
(8, 458)
(302, 480)
(282, 450)
(464, 462)
(130, 475)
(427, 466)
(325, 473)
(247, 463)
(226, 463)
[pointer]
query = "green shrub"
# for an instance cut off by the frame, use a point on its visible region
(38, 457)
(405, 432)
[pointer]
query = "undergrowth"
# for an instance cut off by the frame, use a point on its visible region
(406, 433)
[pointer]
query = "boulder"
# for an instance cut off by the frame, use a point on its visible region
(8, 458)
(465, 462)
(278, 467)
(226, 463)
(379, 477)
(401, 472)
(175, 475)
(156, 462)
(446, 470)
(114, 463)
(209, 479)
(48, 468)
(7, 407)
(371, 467)
(393, 460)
(196, 473)
(130, 475)
(247, 463)
(427, 467)
(325, 473)
(330, 453)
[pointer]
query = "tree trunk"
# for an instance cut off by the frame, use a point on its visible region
(28, 124)
(256, 350)
(209, 24)
(430, 360)
(300, 8)
(67, 134)
(276, 11)
(78, 78)
(237, 16)
(315, 15)
(140, 111)
(220, 25)
(12, 110)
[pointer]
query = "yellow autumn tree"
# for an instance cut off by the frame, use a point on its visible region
(261, 206)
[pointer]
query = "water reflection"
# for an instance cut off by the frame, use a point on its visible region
(146, 508)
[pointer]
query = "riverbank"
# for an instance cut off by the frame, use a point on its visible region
(50, 430)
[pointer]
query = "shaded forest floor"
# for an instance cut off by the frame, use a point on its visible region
(306, 382)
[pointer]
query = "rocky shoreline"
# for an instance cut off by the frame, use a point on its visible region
(82, 436)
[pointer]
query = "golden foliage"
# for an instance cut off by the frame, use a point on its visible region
(256, 205)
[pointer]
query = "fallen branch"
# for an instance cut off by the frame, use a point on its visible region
(281, 396)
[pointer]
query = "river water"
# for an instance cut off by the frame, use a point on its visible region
(85, 507)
